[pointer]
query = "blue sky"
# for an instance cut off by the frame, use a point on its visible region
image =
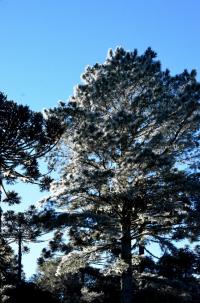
(45, 46)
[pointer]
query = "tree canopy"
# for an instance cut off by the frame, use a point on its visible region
(25, 136)
(129, 159)
(126, 149)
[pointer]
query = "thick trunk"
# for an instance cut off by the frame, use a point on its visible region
(19, 257)
(141, 253)
(126, 279)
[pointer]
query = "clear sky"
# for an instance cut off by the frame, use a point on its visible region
(46, 44)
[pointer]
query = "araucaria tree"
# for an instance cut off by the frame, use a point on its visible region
(131, 132)
(25, 136)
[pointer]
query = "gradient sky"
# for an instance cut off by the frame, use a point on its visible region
(46, 44)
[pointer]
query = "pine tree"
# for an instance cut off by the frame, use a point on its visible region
(131, 129)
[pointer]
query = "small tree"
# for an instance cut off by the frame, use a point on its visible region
(8, 264)
(19, 228)
(130, 128)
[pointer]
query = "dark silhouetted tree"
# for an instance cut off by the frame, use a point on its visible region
(25, 136)
(19, 228)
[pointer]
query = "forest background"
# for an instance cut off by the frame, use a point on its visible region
(45, 46)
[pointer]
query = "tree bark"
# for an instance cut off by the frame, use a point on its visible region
(141, 250)
(19, 258)
(0, 218)
(1, 211)
(126, 255)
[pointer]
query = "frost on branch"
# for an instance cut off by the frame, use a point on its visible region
(90, 296)
(131, 125)
(71, 263)
(116, 269)
(76, 260)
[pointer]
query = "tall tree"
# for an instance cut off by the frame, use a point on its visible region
(25, 136)
(131, 128)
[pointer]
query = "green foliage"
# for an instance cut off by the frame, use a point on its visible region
(8, 268)
(128, 161)
(25, 136)
(130, 128)
(88, 285)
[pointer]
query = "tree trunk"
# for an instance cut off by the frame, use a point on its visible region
(1, 275)
(19, 257)
(0, 218)
(1, 211)
(141, 250)
(126, 279)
